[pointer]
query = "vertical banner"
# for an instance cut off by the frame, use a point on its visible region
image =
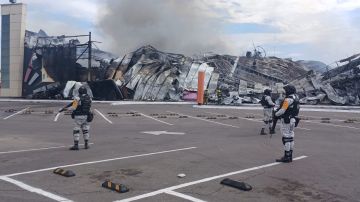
(200, 92)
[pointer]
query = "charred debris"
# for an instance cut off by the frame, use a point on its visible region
(54, 68)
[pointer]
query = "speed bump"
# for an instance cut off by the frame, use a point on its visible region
(349, 121)
(10, 110)
(115, 187)
(236, 184)
(49, 111)
(65, 173)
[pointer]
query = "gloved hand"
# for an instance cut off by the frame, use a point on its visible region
(62, 109)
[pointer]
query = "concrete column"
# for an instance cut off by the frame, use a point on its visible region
(13, 17)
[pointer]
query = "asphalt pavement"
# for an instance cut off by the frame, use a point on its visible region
(146, 146)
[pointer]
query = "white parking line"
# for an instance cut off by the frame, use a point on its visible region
(187, 197)
(223, 124)
(102, 115)
(38, 149)
(147, 116)
(35, 190)
(16, 113)
(161, 191)
(100, 161)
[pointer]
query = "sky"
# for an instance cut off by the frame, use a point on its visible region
(322, 30)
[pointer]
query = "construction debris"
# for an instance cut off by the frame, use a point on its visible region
(339, 85)
(56, 68)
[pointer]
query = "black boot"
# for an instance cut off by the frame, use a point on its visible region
(76, 146)
(263, 132)
(87, 144)
(286, 158)
(291, 155)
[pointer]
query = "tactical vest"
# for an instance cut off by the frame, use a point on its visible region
(264, 102)
(84, 105)
(293, 109)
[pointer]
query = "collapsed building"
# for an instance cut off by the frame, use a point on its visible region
(149, 74)
(339, 85)
(53, 65)
(56, 66)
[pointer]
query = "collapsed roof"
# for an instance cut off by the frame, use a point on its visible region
(154, 75)
(150, 74)
(339, 85)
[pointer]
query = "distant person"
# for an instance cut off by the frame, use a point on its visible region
(275, 119)
(219, 96)
(268, 106)
(288, 114)
(206, 97)
(82, 116)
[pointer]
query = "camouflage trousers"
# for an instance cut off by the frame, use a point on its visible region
(81, 124)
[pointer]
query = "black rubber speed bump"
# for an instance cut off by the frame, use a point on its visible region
(49, 111)
(235, 184)
(65, 173)
(115, 187)
(10, 110)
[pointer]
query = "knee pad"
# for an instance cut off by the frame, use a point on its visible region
(76, 131)
(85, 131)
(288, 139)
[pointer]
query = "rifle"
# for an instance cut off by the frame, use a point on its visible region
(275, 119)
(61, 110)
(64, 108)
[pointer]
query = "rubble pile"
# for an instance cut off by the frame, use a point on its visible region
(149, 74)
(54, 67)
(340, 85)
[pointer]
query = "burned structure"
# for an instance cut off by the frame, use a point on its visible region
(52, 63)
(54, 67)
(149, 74)
(338, 85)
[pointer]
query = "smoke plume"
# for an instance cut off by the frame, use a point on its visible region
(179, 26)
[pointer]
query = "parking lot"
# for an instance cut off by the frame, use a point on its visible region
(145, 147)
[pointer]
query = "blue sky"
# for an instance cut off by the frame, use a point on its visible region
(324, 30)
